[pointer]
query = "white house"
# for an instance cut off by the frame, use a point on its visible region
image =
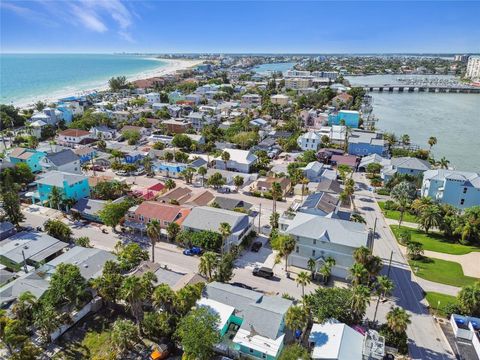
(240, 160)
(309, 141)
(73, 137)
(65, 160)
(152, 98)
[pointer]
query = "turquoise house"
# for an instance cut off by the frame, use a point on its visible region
(72, 186)
(28, 156)
(349, 117)
(251, 324)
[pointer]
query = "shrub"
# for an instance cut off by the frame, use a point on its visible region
(383, 191)
(390, 205)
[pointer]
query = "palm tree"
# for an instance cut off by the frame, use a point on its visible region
(277, 193)
(405, 139)
(403, 193)
(304, 181)
(355, 217)
(443, 163)
(24, 307)
(164, 298)
(202, 171)
(311, 266)
(170, 184)
(361, 255)
(384, 286)
(358, 274)
(135, 290)
(225, 157)
(172, 230)
(284, 244)
(238, 181)
(154, 231)
(360, 300)
(432, 141)
(430, 216)
(124, 335)
(296, 318)
(349, 190)
(303, 279)
(414, 250)
(208, 262)
(398, 320)
(55, 198)
(418, 205)
(147, 165)
(225, 230)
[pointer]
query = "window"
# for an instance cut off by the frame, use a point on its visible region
(313, 252)
(296, 249)
(251, 351)
(464, 190)
(462, 201)
(140, 217)
(314, 241)
(264, 356)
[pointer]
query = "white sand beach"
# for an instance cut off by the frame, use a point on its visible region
(168, 66)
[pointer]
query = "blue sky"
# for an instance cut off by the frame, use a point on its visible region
(234, 26)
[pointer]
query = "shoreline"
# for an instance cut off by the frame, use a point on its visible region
(170, 66)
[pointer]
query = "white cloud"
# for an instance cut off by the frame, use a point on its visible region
(88, 18)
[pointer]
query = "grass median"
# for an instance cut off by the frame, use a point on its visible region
(434, 241)
(441, 271)
(438, 302)
(395, 214)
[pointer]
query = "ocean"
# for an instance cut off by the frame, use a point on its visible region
(454, 119)
(31, 77)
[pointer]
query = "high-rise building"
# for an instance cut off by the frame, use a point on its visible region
(461, 58)
(473, 68)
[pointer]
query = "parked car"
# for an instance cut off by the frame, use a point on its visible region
(256, 246)
(98, 168)
(138, 172)
(121, 173)
(194, 250)
(264, 272)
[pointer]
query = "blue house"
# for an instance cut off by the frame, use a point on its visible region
(67, 113)
(72, 186)
(460, 189)
(251, 323)
(85, 153)
(350, 117)
(170, 169)
(28, 156)
(404, 165)
(363, 143)
(134, 156)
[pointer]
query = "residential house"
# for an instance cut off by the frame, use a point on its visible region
(50, 116)
(319, 237)
(133, 156)
(85, 153)
(313, 171)
(404, 165)
(90, 208)
(141, 130)
(64, 160)
(72, 186)
(260, 123)
(265, 184)
(29, 249)
(178, 195)
(169, 169)
(333, 340)
(230, 175)
(309, 141)
(460, 189)
(363, 143)
(280, 99)
(298, 83)
(203, 198)
(138, 216)
(176, 126)
(152, 98)
(349, 160)
(209, 218)
(74, 137)
(28, 156)
(251, 100)
(373, 158)
(321, 204)
(251, 324)
(349, 118)
(337, 134)
(240, 160)
(232, 204)
(103, 133)
(199, 120)
(342, 100)
(175, 96)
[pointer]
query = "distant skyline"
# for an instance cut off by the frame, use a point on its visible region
(88, 26)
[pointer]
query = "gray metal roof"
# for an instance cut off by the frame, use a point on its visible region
(209, 218)
(56, 178)
(89, 260)
(89, 206)
(231, 203)
(469, 178)
(35, 245)
(62, 157)
(337, 231)
(410, 163)
(29, 282)
(261, 313)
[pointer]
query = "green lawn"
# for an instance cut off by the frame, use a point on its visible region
(441, 271)
(395, 215)
(433, 298)
(435, 241)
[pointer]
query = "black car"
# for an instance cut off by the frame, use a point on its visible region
(264, 272)
(256, 246)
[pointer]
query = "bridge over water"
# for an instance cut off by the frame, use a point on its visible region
(422, 88)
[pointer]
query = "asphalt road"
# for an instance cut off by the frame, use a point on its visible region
(426, 340)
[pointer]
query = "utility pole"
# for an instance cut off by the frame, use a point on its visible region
(390, 264)
(259, 216)
(24, 262)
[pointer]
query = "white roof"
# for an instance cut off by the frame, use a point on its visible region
(334, 340)
(215, 307)
(240, 156)
(259, 343)
(310, 135)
